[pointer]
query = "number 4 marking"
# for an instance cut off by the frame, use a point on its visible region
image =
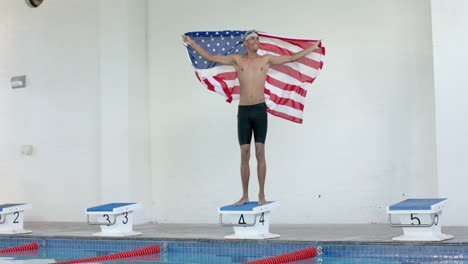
(262, 219)
(242, 220)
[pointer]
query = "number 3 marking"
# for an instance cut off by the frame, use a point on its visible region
(126, 218)
(107, 218)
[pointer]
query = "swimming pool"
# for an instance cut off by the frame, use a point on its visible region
(233, 252)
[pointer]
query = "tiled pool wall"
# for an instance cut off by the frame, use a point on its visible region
(253, 248)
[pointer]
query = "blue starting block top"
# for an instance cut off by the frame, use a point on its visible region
(2, 206)
(248, 208)
(417, 205)
(108, 207)
(10, 208)
(245, 207)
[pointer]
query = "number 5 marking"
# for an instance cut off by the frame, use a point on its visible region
(413, 218)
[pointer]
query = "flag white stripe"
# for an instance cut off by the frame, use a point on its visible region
(280, 43)
(215, 70)
(302, 68)
(286, 78)
(285, 94)
(285, 109)
(217, 86)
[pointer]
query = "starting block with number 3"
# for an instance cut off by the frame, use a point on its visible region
(421, 219)
(250, 220)
(12, 218)
(115, 219)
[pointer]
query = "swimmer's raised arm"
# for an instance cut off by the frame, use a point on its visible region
(275, 60)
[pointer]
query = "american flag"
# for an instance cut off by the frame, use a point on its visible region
(286, 85)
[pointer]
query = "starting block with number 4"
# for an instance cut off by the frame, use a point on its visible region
(12, 218)
(115, 219)
(250, 220)
(421, 219)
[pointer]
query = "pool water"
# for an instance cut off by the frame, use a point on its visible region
(221, 252)
(45, 257)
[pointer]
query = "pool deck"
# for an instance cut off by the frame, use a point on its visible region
(324, 233)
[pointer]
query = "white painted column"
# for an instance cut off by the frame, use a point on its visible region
(450, 39)
(125, 169)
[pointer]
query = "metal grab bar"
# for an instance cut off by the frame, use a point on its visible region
(434, 222)
(4, 216)
(232, 225)
(99, 223)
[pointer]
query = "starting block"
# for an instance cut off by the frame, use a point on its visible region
(420, 219)
(12, 218)
(250, 220)
(115, 219)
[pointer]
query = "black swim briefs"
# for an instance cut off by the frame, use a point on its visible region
(252, 118)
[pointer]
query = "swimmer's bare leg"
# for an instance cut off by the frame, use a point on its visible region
(261, 171)
(245, 174)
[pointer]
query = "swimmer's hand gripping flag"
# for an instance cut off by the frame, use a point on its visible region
(286, 85)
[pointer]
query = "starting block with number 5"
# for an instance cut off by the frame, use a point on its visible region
(421, 219)
(250, 220)
(12, 218)
(115, 219)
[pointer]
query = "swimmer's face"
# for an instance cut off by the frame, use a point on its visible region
(252, 43)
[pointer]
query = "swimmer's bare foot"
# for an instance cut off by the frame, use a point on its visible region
(242, 201)
(261, 199)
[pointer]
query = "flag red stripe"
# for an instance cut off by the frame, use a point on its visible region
(298, 44)
(286, 39)
(198, 77)
(286, 86)
(225, 88)
(293, 73)
(287, 102)
(235, 89)
(285, 116)
(278, 50)
(227, 75)
(305, 45)
(209, 85)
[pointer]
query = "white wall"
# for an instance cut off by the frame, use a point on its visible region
(368, 137)
(125, 164)
(56, 112)
(450, 24)
(84, 110)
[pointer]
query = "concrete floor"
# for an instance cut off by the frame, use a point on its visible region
(356, 233)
